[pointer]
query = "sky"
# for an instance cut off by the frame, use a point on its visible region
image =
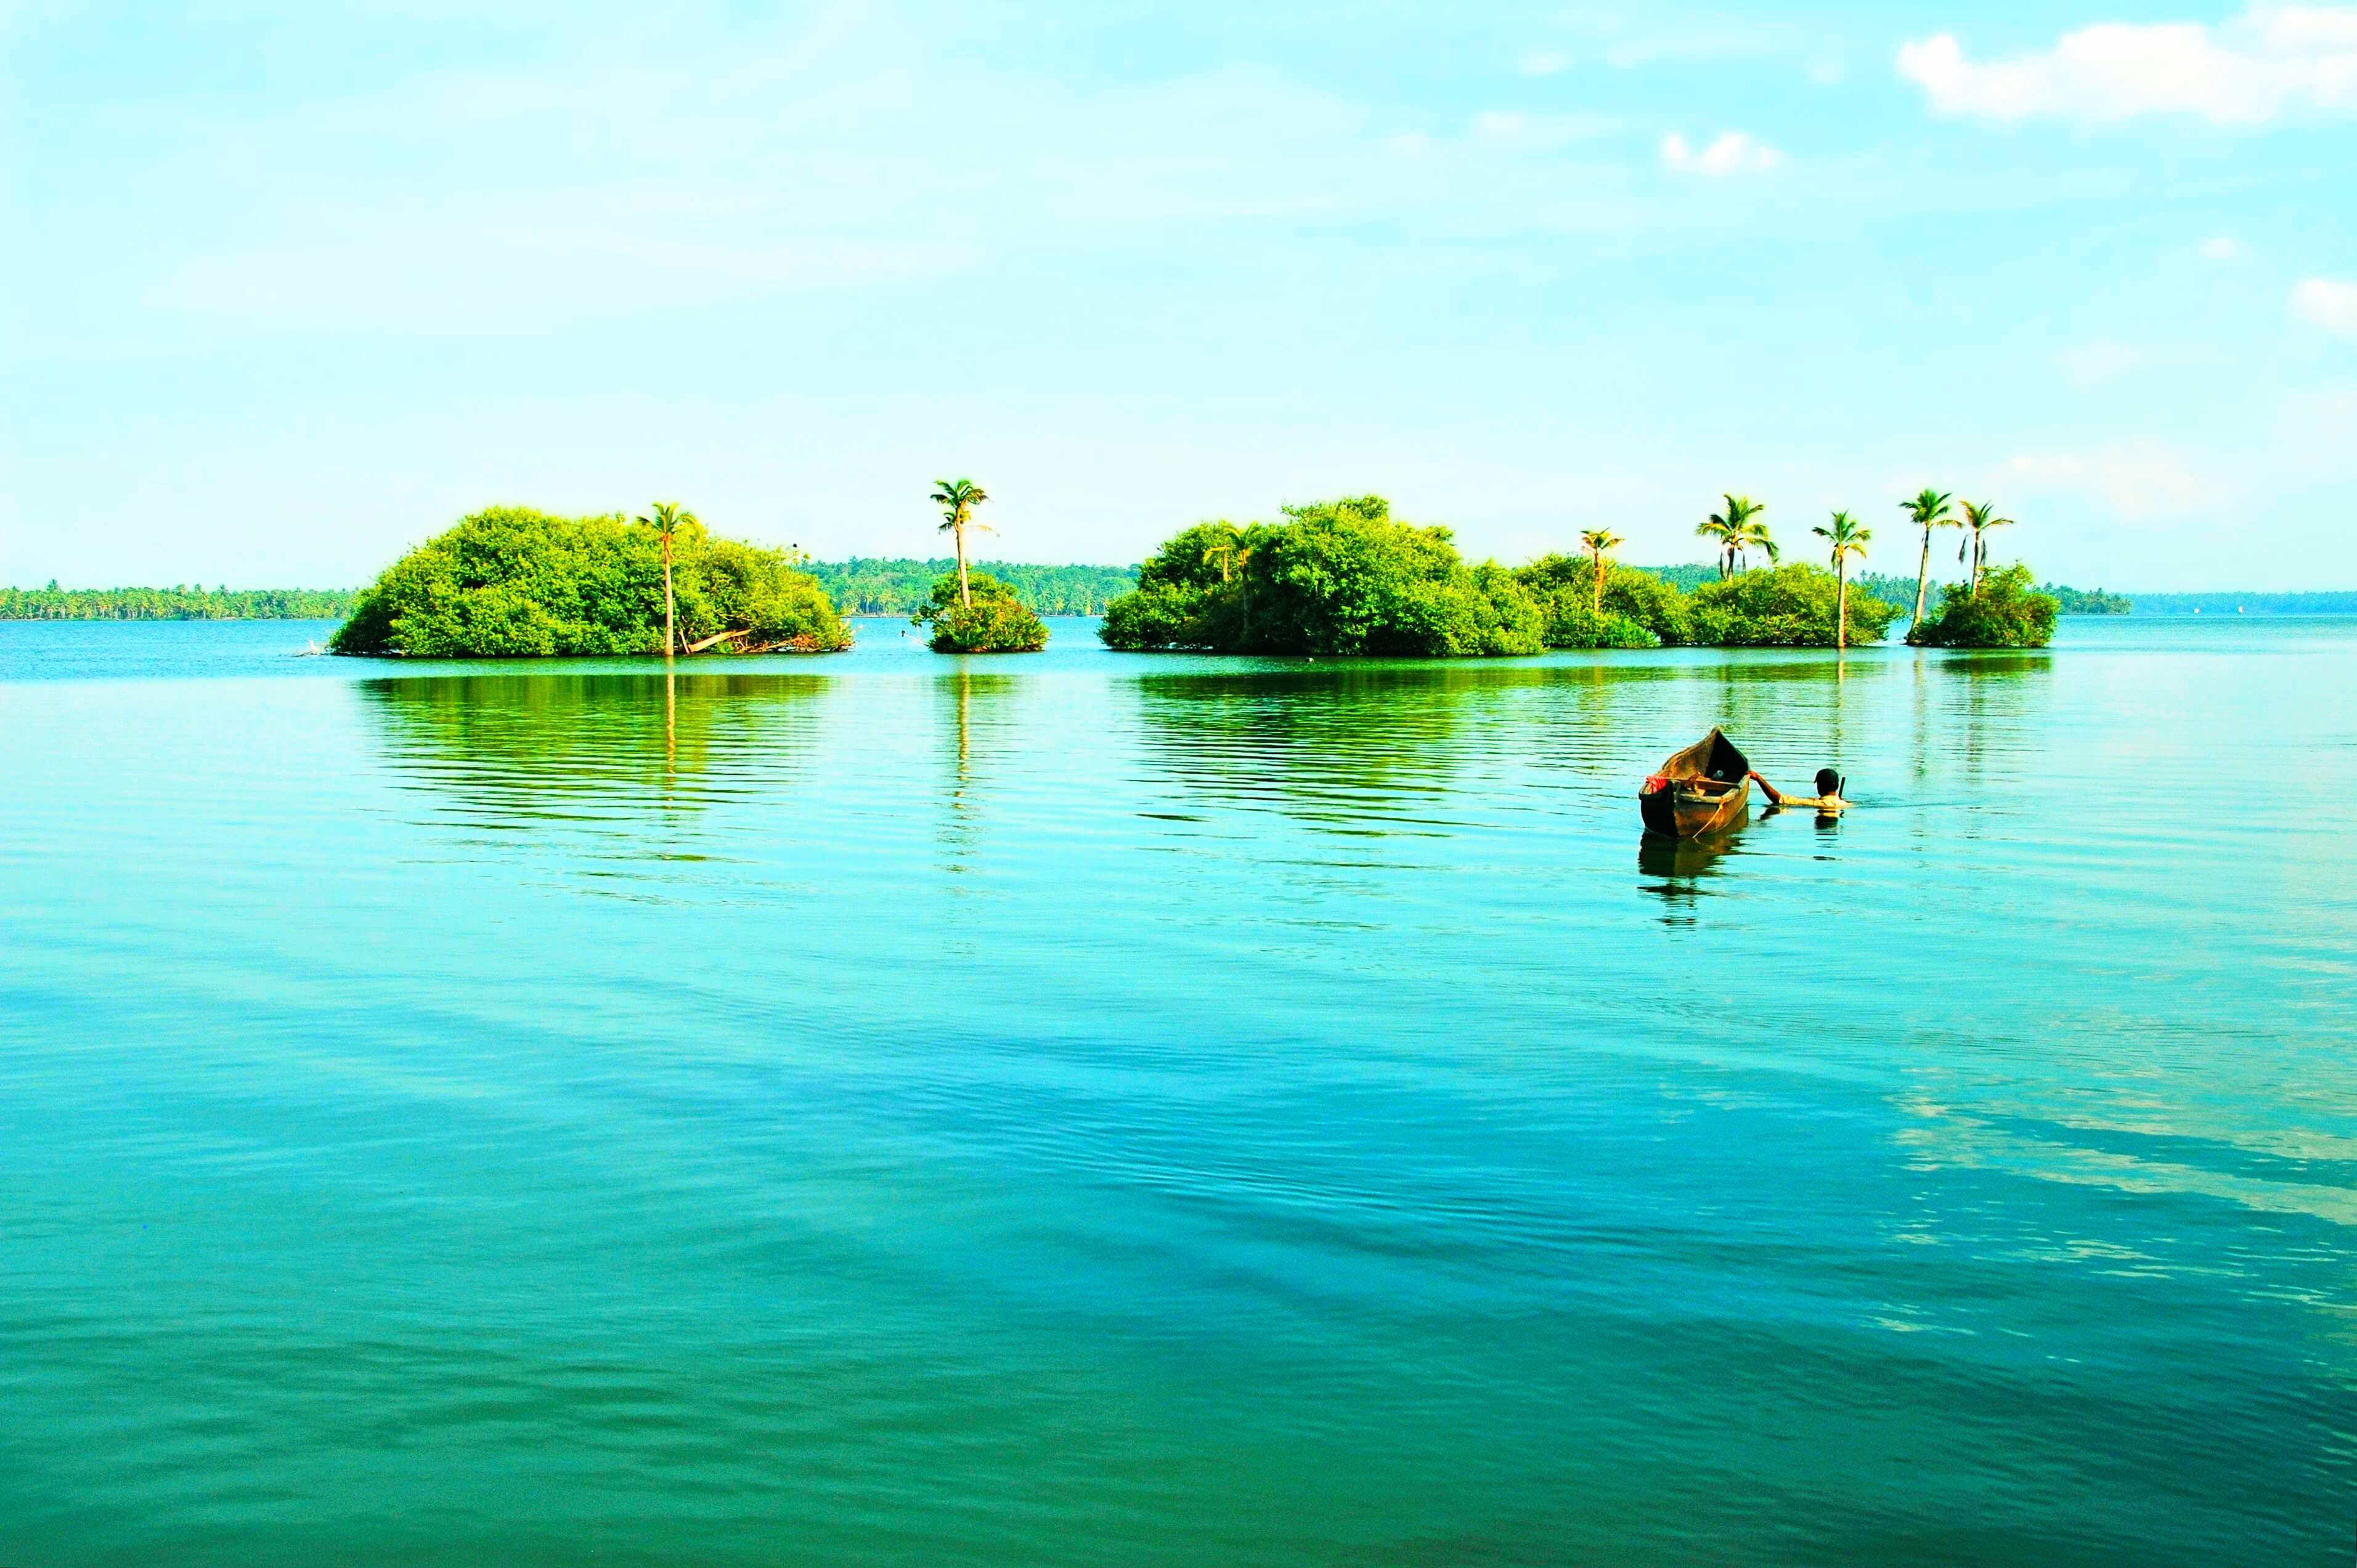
(292, 287)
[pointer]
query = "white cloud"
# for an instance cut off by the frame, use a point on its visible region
(2329, 303)
(2221, 248)
(2269, 61)
(489, 201)
(1543, 62)
(2138, 479)
(1732, 153)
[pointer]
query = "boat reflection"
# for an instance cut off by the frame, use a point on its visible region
(1676, 868)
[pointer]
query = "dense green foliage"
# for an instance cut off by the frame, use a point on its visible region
(1640, 610)
(1338, 577)
(512, 582)
(1783, 607)
(2087, 601)
(2006, 611)
(180, 603)
(874, 585)
(1686, 577)
(1900, 591)
(995, 622)
(1345, 577)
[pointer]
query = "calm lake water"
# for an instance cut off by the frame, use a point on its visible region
(1115, 1110)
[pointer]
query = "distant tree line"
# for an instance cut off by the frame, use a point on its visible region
(178, 603)
(2308, 604)
(867, 584)
(2087, 601)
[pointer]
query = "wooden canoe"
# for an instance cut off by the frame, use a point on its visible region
(1705, 789)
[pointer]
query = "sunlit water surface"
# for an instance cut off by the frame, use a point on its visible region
(897, 1110)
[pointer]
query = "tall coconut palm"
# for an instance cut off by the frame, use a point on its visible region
(669, 519)
(1848, 539)
(1731, 529)
(958, 498)
(1722, 538)
(1756, 535)
(1928, 511)
(1230, 551)
(1980, 518)
(1598, 541)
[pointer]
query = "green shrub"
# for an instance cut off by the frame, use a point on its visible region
(1335, 578)
(1155, 619)
(1574, 623)
(515, 582)
(1193, 593)
(1640, 609)
(995, 622)
(1786, 607)
(2007, 612)
(1497, 619)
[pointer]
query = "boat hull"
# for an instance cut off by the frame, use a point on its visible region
(1683, 811)
(1703, 790)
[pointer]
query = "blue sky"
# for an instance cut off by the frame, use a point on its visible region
(294, 286)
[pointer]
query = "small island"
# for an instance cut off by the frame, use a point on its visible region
(1345, 578)
(1342, 578)
(969, 611)
(512, 583)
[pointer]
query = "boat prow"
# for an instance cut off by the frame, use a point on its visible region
(1705, 789)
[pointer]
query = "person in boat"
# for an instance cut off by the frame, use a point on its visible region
(1828, 797)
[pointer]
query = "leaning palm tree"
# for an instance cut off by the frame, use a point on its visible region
(1928, 511)
(1980, 518)
(1848, 539)
(1598, 541)
(669, 519)
(958, 498)
(1732, 530)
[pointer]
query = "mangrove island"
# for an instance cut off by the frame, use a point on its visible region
(513, 583)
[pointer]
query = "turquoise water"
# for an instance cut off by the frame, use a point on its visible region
(1110, 1110)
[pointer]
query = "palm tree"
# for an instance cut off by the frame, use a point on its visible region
(1732, 530)
(1231, 551)
(1848, 539)
(1756, 534)
(1928, 511)
(958, 498)
(1715, 529)
(669, 519)
(1980, 518)
(1598, 541)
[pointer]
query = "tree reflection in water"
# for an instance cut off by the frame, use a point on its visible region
(609, 750)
